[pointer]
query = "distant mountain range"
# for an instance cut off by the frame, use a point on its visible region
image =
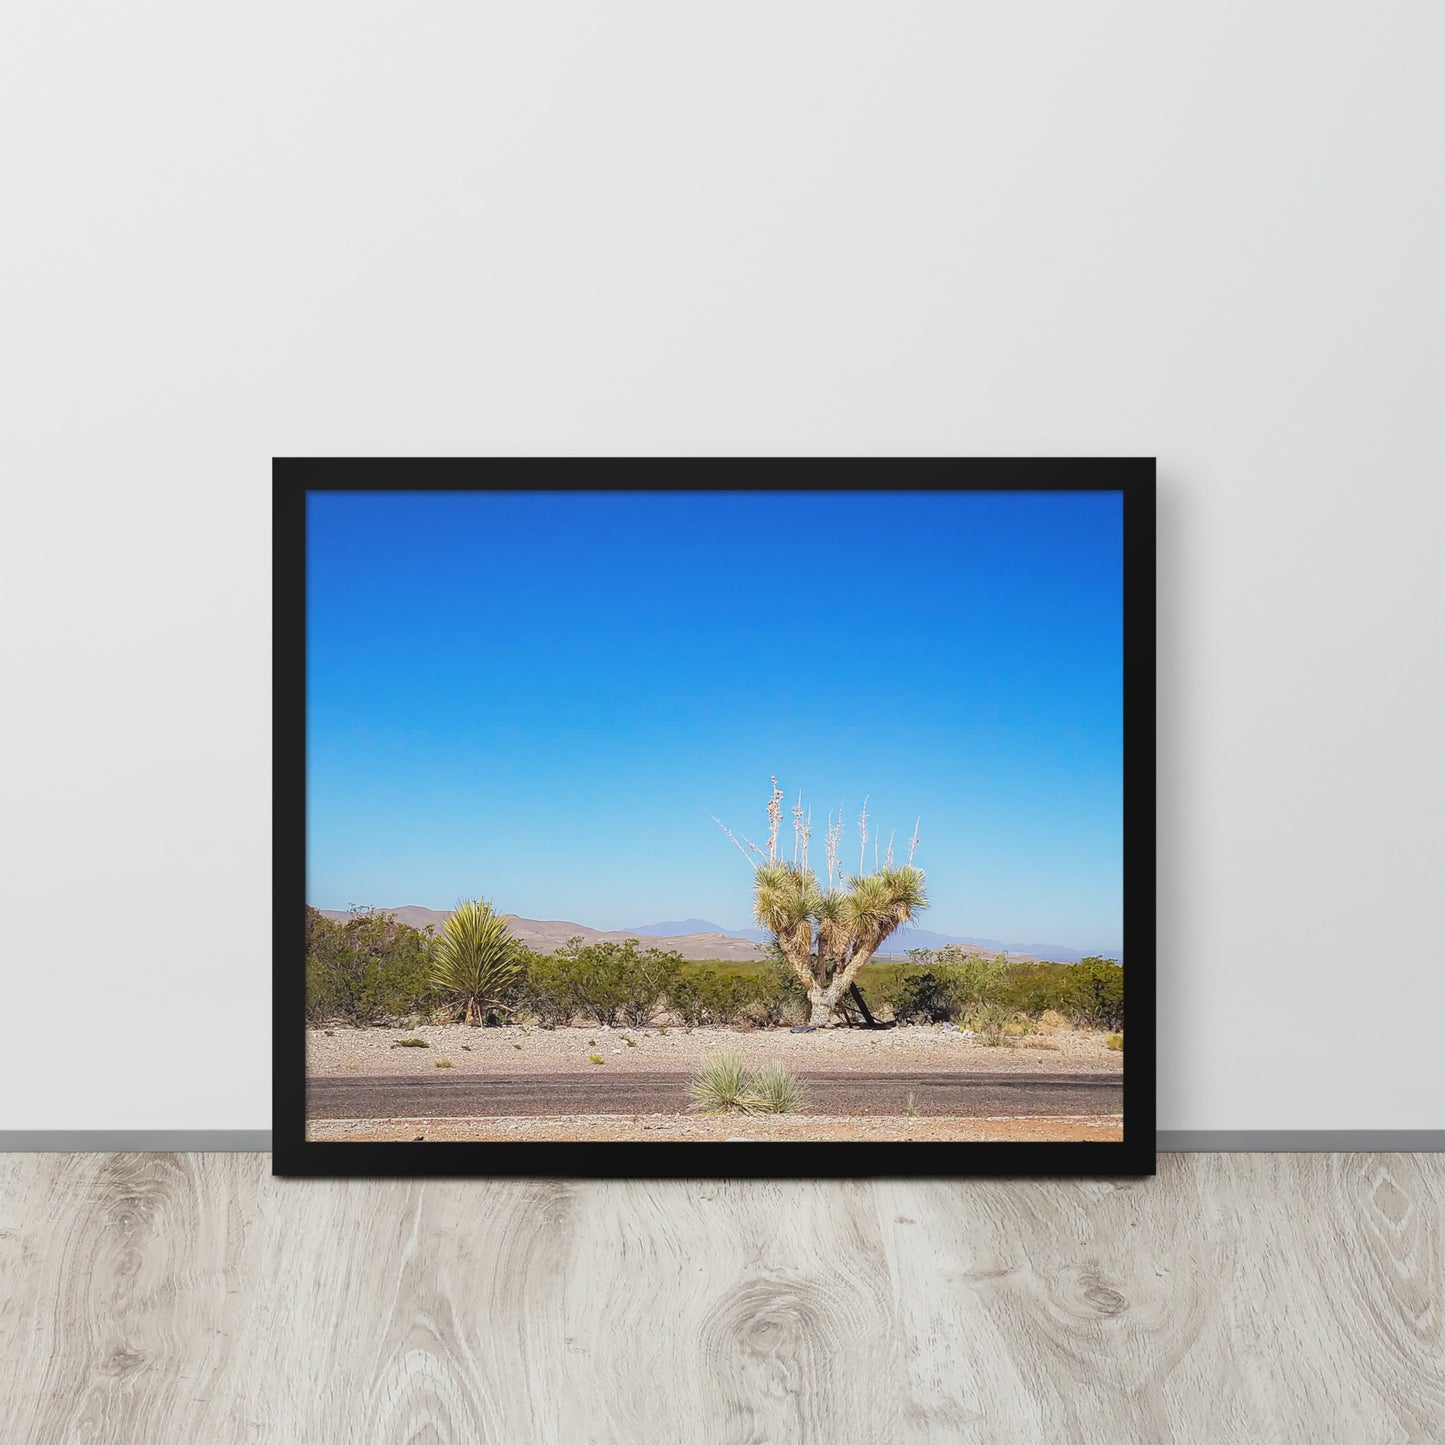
(897, 945)
(696, 938)
(547, 935)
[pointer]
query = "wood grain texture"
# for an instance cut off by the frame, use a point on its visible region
(153, 1298)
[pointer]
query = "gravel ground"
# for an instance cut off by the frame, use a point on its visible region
(658, 1128)
(545, 1051)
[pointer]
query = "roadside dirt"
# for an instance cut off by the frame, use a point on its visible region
(513, 1050)
(656, 1128)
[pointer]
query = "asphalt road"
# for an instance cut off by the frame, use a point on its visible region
(484, 1095)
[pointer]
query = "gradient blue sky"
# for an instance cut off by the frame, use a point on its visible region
(542, 698)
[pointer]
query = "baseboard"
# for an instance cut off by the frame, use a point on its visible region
(135, 1141)
(1300, 1141)
(1169, 1141)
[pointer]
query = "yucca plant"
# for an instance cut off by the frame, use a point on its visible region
(475, 958)
(725, 1085)
(774, 1090)
(828, 934)
(721, 1085)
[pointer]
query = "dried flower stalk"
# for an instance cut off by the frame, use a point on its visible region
(775, 819)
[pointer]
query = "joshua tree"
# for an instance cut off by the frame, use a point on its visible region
(828, 933)
(476, 957)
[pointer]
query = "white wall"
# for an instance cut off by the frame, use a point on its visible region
(1211, 232)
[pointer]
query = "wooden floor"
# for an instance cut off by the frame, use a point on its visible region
(149, 1298)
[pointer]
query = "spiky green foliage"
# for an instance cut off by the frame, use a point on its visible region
(476, 958)
(721, 1085)
(774, 1090)
(725, 1085)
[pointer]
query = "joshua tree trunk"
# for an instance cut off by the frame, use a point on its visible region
(825, 999)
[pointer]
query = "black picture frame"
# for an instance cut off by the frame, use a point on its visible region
(294, 1156)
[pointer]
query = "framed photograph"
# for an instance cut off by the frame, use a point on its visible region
(649, 819)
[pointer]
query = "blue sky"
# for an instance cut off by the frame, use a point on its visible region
(542, 698)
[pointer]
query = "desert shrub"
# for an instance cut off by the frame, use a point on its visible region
(411, 1044)
(721, 1084)
(774, 1090)
(1052, 1020)
(1033, 988)
(1115, 1042)
(993, 1022)
(954, 983)
(544, 991)
(1095, 994)
(609, 982)
(724, 1084)
(921, 998)
(969, 980)
(366, 969)
(727, 997)
(686, 997)
(777, 997)
(710, 996)
(595, 1059)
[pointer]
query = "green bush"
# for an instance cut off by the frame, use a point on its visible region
(610, 983)
(970, 980)
(921, 997)
(544, 992)
(366, 969)
(708, 996)
(953, 984)
(1094, 994)
(778, 998)
(993, 1021)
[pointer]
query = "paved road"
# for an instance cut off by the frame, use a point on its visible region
(480, 1095)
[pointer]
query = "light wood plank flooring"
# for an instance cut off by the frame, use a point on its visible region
(151, 1298)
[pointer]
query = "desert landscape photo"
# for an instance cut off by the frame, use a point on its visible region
(543, 755)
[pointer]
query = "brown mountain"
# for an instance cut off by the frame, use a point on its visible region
(547, 935)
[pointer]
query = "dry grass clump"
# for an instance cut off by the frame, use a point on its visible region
(775, 1090)
(411, 1044)
(1045, 1045)
(1115, 1042)
(1051, 1021)
(724, 1085)
(444, 1063)
(720, 1086)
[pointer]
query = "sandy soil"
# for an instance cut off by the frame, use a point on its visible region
(546, 1051)
(656, 1128)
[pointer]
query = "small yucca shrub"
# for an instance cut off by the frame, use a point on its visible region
(721, 1084)
(774, 1090)
(725, 1085)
